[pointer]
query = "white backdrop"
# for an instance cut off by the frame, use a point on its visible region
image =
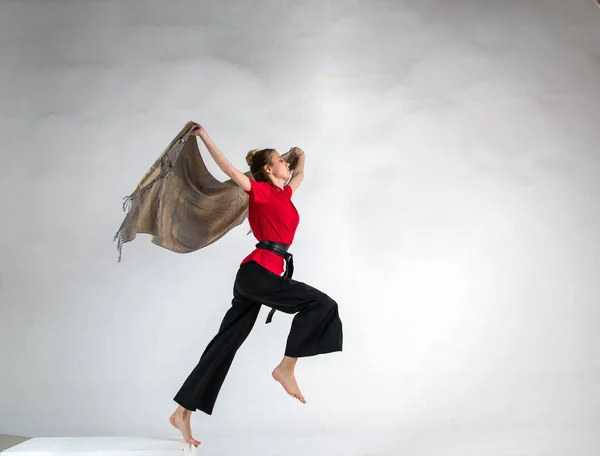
(449, 206)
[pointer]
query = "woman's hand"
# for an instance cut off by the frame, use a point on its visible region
(299, 152)
(298, 175)
(198, 130)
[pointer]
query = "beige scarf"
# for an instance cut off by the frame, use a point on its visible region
(180, 203)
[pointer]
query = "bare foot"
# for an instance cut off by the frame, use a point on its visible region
(181, 420)
(288, 381)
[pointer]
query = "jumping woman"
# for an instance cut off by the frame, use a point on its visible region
(316, 327)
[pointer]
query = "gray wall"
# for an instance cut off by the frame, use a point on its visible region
(449, 206)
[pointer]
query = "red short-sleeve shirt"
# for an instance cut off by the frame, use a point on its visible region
(273, 217)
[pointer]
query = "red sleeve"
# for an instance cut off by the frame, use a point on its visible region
(259, 192)
(288, 191)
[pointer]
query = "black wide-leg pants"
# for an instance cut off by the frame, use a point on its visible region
(316, 329)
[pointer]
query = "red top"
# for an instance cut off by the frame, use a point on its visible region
(273, 217)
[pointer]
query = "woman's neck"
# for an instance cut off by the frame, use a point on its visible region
(278, 183)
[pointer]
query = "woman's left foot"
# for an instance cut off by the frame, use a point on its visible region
(288, 381)
(181, 421)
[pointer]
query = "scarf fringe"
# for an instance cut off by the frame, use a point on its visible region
(130, 201)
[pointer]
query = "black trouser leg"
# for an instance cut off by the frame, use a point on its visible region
(202, 386)
(316, 329)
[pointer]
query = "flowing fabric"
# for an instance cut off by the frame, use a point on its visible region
(180, 203)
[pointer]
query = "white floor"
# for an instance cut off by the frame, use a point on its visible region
(105, 446)
(144, 446)
(450, 443)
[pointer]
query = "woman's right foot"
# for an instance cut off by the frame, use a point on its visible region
(288, 381)
(181, 420)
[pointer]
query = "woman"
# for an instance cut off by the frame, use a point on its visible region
(316, 327)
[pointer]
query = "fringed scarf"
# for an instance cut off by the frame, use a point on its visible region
(180, 203)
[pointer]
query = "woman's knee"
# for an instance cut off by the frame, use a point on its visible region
(328, 303)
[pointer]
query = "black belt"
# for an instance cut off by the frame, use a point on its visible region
(282, 251)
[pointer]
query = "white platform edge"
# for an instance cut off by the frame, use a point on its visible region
(100, 446)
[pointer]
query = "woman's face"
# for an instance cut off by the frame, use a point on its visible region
(280, 169)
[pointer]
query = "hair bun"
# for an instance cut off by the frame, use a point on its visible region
(250, 156)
